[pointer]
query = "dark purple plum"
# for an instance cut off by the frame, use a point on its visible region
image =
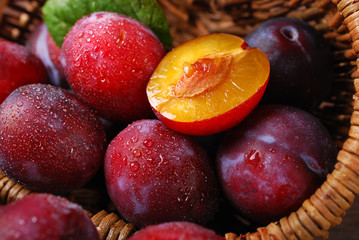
(43, 217)
(269, 164)
(50, 141)
(300, 59)
(18, 67)
(175, 231)
(155, 175)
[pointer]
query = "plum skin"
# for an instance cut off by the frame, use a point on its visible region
(108, 59)
(270, 163)
(175, 231)
(300, 61)
(42, 44)
(154, 175)
(18, 67)
(45, 216)
(50, 140)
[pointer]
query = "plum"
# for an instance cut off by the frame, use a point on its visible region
(18, 67)
(270, 163)
(45, 216)
(208, 85)
(175, 231)
(301, 62)
(108, 59)
(154, 175)
(42, 44)
(50, 140)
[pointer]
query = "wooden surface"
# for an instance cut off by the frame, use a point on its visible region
(349, 229)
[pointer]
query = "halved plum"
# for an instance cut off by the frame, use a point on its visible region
(208, 84)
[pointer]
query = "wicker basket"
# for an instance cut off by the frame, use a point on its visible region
(338, 20)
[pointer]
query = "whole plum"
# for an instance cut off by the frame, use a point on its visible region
(175, 231)
(50, 140)
(108, 59)
(43, 217)
(18, 67)
(155, 175)
(300, 59)
(269, 164)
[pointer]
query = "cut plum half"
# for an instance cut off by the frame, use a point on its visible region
(208, 84)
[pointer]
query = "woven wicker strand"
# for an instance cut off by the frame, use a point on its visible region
(11, 191)
(3, 4)
(111, 227)
(18, 18)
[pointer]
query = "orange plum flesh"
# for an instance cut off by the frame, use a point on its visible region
(208, 84)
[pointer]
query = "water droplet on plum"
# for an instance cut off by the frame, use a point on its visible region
(34, 219)
(137, 153)
(134, 166)
(148, 142)
(253, 157)
(124, 161)
(151, 160)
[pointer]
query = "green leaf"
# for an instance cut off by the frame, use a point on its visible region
(61, 15)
